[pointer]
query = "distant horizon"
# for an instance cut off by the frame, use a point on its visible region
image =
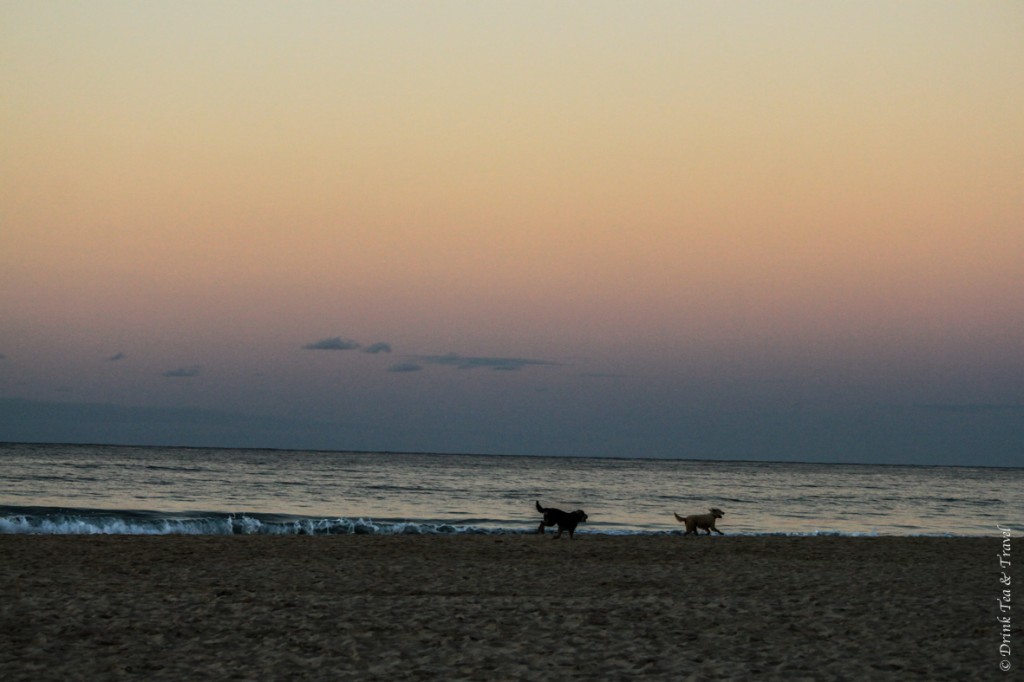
(505, 454)
(200, 445)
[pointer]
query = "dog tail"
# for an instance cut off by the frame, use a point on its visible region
(540, 508)
(679, 518)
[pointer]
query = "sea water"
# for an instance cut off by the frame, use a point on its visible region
(65, 489)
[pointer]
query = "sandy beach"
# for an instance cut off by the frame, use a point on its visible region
(498, 607)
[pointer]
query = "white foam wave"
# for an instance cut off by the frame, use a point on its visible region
(228, 524)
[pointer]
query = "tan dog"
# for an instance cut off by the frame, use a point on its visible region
(704, 522)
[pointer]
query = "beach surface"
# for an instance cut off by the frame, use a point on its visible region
(499, 607)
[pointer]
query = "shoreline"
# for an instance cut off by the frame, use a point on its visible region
(498, 607)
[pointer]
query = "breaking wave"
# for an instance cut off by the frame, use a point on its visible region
(60, 521)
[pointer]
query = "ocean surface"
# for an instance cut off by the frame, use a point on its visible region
(75, 489)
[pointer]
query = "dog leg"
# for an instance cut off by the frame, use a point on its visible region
(540, 528)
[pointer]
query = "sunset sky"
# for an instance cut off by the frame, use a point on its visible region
(744, 230)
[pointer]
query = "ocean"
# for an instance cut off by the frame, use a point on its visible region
(80, 489)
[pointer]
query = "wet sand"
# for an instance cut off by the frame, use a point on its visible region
(498, 607)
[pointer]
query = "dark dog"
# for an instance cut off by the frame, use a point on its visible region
(564, 520)
(704, 522)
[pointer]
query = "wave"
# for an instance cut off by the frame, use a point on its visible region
(65, 521)
(60, 521)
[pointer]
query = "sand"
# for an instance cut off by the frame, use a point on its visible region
(509, 607)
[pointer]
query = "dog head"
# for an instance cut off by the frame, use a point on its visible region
(717, 513)
(580, 514)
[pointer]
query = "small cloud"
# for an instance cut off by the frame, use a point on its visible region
(379, 347)
(116, 356)
(496, 364)
(333, 343)
(405, 367)
(2, 356)
(182, 372)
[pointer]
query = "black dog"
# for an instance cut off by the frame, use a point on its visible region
(564, 520)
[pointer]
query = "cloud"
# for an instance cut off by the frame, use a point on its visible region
(333, 343)
(2, 356)
(497, 364)
(182, 372)
(405, 367)
(116, 356)
(379, 347)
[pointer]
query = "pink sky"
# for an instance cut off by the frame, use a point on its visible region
(707, 196)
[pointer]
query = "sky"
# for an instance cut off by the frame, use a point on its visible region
(767, 231)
